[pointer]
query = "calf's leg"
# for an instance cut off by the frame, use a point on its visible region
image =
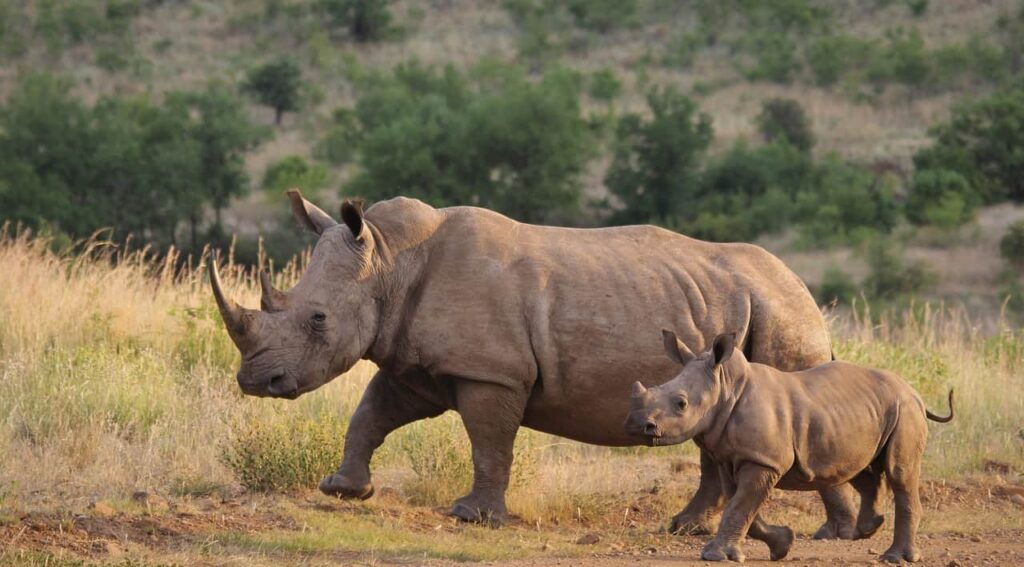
(746, 492)
(903, 470)
(778, 538)
(869, 484)
(491, 414)
(385, 406)
(695, 518)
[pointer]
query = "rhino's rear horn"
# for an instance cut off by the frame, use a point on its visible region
(271, 299)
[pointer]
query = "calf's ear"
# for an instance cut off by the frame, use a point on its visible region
(675, 349)
(308, 214)
(722, 347)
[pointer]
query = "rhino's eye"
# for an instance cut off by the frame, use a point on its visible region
(319, 317)
(681, 404)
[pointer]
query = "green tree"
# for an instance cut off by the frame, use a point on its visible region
(601, 15)
(276, 84)
(941, 197)
(783, 119)
(982, 142)
(293, 171)
(492, 138)
(656, 163)
(1011, 245)
(365, 20)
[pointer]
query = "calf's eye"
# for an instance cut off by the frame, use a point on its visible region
(319, 317)
(681, 404)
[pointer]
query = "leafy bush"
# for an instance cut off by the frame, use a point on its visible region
(784, 120)
(844, 203)
(1011, 245)
(365, 20)
(832, 57)
(982, 142)
(339, 144)
(293, 171)
(775, 58)
(655, 169)
(903, 59)
(276, 84)
(836, 285)
(890, 277)
(492, 138)
(940, 197)
(285, 455)
(604, 85)
(601, 15)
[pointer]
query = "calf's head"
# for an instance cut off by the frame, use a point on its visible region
(302, 338)
(681, 408)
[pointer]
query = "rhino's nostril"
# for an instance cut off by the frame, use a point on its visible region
(651, 429)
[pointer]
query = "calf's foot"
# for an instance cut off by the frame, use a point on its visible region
(867, 527)
(779, 540)
(344, 486)
(898, 555)
(715, 551)
(685, 523)
(480, 510)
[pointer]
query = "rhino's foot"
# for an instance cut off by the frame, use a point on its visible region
(343, 487)
(867, 527)
(691, 524)
(898, 555)
(715, 551)
(836, 529)
(470, 509)
(779, 540)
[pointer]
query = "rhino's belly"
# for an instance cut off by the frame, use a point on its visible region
(601, 424)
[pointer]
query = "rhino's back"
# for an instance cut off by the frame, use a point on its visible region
(575, 314)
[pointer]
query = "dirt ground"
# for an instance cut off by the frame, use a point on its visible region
(975, 521)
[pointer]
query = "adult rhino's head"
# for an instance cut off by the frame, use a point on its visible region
(302, 338)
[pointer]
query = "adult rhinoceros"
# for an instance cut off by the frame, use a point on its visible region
(512, 325)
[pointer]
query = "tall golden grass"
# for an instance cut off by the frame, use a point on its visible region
(116, 375)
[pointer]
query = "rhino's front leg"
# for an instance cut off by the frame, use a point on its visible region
(747, 491)
(491, 414)
(385, 406)
(695, 519)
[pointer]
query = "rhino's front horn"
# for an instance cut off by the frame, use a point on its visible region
(235, 318)
(638, 389)
(272, 299)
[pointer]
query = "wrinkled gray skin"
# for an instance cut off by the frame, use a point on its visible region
(511, 325)
(765, 428)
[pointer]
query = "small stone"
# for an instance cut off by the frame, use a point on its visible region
(651, 549)
(954, 563)
(1018, 500)
(873, 551)
(588, 539)
(977, 539)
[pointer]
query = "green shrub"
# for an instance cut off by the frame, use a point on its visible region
(775, 58)
(844, 203)
(832, 57)
(784, 120)
(293, 171)
(981, 142)
(890, 277)
(902, 59)
(340, 142)
(940, 197)
(836, 286)
(604, 85)
(287, 454)
(601, 15)
(1011, 245)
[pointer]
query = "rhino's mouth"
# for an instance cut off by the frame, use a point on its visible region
(283, 386)
(666, 441)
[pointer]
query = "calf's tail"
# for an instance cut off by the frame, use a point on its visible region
(939, 418)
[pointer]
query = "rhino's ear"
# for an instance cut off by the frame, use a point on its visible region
(675, 349)
(352, 216)
(722, 348)
(308, 214)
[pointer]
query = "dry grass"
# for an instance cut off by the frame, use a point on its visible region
(117, 376)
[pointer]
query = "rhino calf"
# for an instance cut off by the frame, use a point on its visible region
(807, 430)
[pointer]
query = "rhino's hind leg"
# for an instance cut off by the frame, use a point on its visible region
(491, 414)
(696, 517)
(839, 515)
(384, 407)
(903, 471)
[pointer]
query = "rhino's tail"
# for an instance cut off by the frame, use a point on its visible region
(939, 418)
